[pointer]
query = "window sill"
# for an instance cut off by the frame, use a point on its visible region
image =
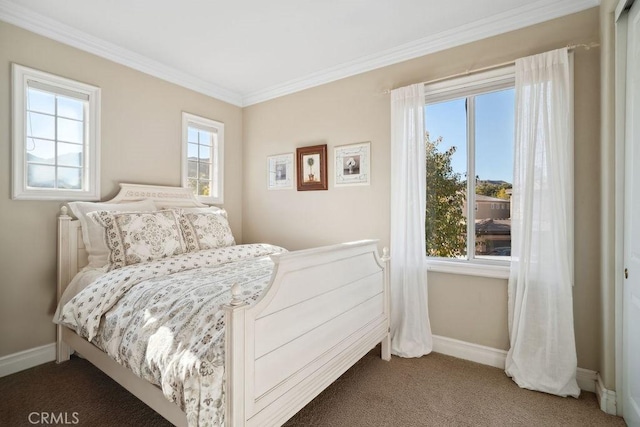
(468, 268)
(64, 195)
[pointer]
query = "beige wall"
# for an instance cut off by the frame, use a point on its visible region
(357, 109)
(141, 143)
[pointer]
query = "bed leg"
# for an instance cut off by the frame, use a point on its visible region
(386, 341)
(63, 351)
(386, 348)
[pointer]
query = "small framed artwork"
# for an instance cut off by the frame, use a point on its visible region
(312, 167)
(352, 164)
(280, 172)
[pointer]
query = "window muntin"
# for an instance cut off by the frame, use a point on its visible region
(482, 133)
(203, 157)
(55, 137)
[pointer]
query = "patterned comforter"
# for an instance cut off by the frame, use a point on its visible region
(164, 320)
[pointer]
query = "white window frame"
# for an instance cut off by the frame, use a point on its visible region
(462, 87)
(217, 163)
(91, 153)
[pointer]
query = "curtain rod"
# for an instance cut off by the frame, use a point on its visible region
(495, 66)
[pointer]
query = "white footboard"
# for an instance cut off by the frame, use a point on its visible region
(324, 310)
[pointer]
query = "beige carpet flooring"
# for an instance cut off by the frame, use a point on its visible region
(434, 390)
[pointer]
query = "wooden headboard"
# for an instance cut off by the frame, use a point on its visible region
(72, 255)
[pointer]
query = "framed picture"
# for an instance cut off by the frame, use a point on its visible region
(352, 164)
(312, 167)
(280, 172)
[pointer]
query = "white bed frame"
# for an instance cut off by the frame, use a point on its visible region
(324, 309)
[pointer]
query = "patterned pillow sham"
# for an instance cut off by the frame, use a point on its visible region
(136, 237)
(93, 233)
(206, 230)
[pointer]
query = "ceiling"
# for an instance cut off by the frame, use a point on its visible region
(248, 51)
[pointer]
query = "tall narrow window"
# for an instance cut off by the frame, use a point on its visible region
(470, 137)
(202, 167)
(56, 137)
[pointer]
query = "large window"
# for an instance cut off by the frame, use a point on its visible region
(469, 140)
(202, 167)
(56, 137)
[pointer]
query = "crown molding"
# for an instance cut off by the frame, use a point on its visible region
(47, 27)
(531, 14)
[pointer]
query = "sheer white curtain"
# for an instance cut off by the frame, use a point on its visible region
(543, 355)
(410, 328)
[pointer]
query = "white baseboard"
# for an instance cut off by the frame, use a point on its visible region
(22, 360)
(469, 351)
(606, 398)
(586, 378)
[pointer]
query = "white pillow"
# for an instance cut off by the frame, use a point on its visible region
(208, 209)
(206, 230)
(137, 237)
(93, 233)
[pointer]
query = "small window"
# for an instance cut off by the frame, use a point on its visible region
(202, 152)
(56, 137)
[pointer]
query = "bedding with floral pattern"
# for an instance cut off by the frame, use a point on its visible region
(135, 237)
(164, 320)
(206, 230)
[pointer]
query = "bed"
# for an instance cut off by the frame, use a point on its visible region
(321, 310)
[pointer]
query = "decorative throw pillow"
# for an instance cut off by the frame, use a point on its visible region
(135, 237)
(206, 230)
(93, 233)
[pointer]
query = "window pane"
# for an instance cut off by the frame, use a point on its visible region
(41, 176)
(192, 135)
(69, 154)
(205, 153)
(41, 126)
(41, 151)
(204, 137)
(70, 130)
(204, 171)
(69, 178)
(494, 136)
(204, 188)
(192, 151)
(71, 108)
(192, 169)
(193, 185)
(446, 143)
(40, 101)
